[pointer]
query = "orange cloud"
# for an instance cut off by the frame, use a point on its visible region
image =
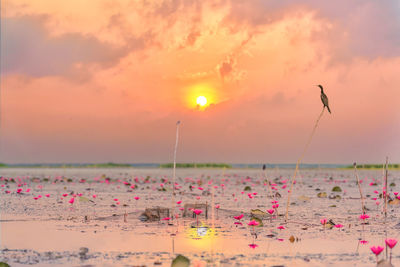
(108, 81)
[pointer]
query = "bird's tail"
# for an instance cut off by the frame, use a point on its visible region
(328, 109)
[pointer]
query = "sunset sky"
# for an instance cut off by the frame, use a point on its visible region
(100, 81)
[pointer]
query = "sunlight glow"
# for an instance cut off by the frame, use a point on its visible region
(201, 100)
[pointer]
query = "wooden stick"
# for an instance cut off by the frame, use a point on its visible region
(174, 171)
(359, 188)
(298, 162)
(386, 187)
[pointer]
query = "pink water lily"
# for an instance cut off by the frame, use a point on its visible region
(197, 212)
(364, 216)
(391, 242)
(253, 223)
(238, 217)
(253, 246)
(377, 250)
(271, 211)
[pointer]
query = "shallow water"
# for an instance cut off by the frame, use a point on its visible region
(30, 229)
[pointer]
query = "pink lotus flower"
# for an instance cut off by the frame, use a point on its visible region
(338, 225)
(253, 223)
(391, 243)
(238, 217)
(377, 250)
(64, 195)
(395, 193)
(363, 242)
(271, 211)
(166, 219)
(281, 227)
(198, 198)
(217, 206)
(364, 216)
(200, 188)
(47, 195)
(179, 202)
(136, 198)
(324, 221)
(253, 246)
(115, 199)
(197, 212)
(94, 195)
(72, 200)
(238, 223)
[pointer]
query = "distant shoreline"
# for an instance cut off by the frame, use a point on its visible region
(198, 165)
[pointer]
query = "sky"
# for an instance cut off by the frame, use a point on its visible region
(106, 81)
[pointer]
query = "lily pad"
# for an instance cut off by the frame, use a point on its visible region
(83, 199)
(247, 188)
(337, 189)
(304, 198)
(180, 261)
(322, 195)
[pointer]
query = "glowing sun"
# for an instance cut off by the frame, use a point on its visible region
(201, 101)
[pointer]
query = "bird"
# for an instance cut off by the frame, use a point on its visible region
(324, 98)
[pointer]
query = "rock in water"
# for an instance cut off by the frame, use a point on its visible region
(180, 261)
(82, 252)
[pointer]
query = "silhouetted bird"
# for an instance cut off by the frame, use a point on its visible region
(324, 98)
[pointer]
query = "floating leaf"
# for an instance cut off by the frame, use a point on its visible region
(83, 199)
(180, 261)
(322, 195)
(336, 189)
(304, 198)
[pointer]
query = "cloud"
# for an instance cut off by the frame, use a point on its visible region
(353, 25)
(28, 48)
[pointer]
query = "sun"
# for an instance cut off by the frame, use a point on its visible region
(201, 101)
